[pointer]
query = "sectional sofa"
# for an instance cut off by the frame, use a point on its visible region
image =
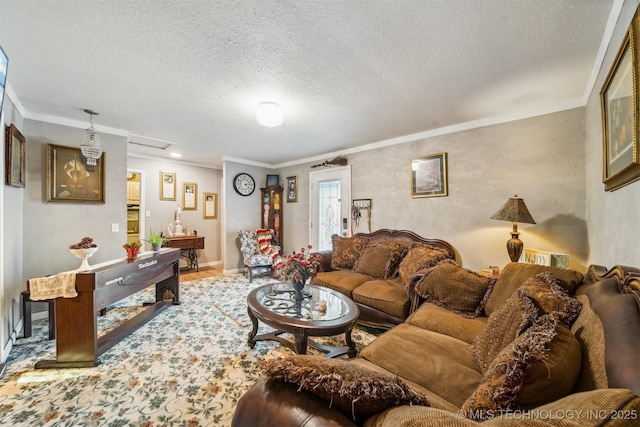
(548, 347)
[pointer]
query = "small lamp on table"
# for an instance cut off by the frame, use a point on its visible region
(516, 211)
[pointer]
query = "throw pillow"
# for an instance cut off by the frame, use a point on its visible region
(503, 326)
(380, 259)
(455, 288)
(264, 244)
(346, 251)
(548, 297)
(419, 257)
(515, 274)
(351, 388)
(540, 366)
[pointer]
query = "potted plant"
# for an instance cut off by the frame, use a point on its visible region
(132, 249)
(298, 267)
(156, 239)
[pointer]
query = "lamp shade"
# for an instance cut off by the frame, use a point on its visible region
(514, 210)
(269, 114)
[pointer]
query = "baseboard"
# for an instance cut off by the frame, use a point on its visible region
(12, 339)
(234, 271)
(209, 264)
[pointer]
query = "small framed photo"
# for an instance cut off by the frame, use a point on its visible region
(619, 101)
(210, 203)
(273, 180)
(189, 196)
(292, 189)
(70, 179)
(14, 157)
(429, 176)
(167, 185)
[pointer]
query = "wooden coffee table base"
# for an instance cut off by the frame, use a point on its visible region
(300, 340)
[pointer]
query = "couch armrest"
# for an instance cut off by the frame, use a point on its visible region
(276, 403)
(415, 299)
(325, 261)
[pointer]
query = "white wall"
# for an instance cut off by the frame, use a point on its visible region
(163, 211)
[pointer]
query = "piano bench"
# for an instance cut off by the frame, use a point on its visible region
(26, 312)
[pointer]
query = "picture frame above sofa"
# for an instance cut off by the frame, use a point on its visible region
(429, 176)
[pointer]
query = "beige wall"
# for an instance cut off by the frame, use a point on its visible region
(540, 159)
(163, 211)
(11, 267)
(612, 217)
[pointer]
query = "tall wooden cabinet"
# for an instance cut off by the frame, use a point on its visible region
(271, 211)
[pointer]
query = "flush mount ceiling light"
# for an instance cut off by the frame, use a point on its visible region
(91, 148)
(269, 114)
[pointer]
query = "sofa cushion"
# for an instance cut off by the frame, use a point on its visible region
(346, 251)
(503, 326)
(548, 297)
(380, 259)
(388, 296)
(439, 319)
(418, 257)
(455, 288)
(351, 388)
(515, 274)
(343, 281)
(540, 366)
(437, 362)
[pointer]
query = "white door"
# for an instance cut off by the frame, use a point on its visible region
(329, 207)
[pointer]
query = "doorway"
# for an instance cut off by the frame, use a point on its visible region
(330, 194)
(135, 205)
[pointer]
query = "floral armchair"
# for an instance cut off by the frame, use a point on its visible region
(255, 261)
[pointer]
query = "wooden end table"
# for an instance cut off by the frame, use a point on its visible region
(287, 311)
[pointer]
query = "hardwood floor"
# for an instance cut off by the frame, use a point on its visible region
(216, 270)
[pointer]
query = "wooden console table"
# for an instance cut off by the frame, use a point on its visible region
(188, 246)
(76, 326)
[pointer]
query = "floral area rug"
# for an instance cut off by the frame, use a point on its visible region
(186, 367)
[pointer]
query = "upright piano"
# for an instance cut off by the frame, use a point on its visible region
(77, 342)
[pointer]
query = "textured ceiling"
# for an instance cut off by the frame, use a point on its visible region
(346, 73)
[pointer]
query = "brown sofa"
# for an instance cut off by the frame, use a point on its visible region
(375, 270)
(585, 375)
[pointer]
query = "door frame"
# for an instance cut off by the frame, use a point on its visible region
(339, 172)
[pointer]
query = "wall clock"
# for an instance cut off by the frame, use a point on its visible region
(244, 184)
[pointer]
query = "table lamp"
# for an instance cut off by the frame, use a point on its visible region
(516, 211)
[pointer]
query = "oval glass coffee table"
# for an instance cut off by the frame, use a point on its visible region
(314, 312)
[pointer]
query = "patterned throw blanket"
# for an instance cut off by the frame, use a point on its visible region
(51, 287)
(265, 246)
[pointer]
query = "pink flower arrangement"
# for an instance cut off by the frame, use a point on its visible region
(298, 267)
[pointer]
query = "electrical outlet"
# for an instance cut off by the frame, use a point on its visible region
(147, 214)
(115, 227)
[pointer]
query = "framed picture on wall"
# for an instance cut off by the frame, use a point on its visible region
(210, 203)
(167, 185)
(14, 157)
(429, 176)
(619, 102)
(292, 189)
(189, 196)
(70, 179)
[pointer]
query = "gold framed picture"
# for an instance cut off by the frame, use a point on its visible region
(14, 157)
(429, 176)
(189, 196)
(70, 179)
(620, 104)
(167, 185)
(210, 205)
